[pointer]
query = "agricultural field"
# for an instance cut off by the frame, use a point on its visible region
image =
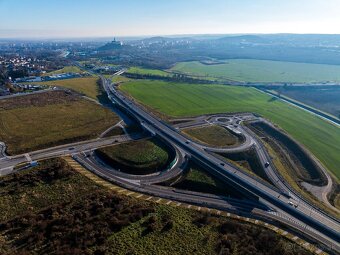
(145, 71)
(324, 99)
(87, 85)
(66, 69)
(48, 119)
(213, 135)
(137, 157)
(90, 219)
(250, 70)
(180, 100)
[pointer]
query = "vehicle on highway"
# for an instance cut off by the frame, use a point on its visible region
(292, 204)
(266, 164)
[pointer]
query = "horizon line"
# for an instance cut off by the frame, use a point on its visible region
(151, 35)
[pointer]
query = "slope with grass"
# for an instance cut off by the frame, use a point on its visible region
(199, 180)
(179, 100)
(87, 85)
(43, 120)
(66, 69)
(250, 70)
(215, 136)
(137, 157)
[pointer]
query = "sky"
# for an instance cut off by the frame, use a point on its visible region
(108, 18)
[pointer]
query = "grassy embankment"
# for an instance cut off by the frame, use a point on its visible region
(199, 180)
(86, 85)
(89, 219)
(146, 71)
(138, 157)
(179, 100)
(215, 136)
(66, 69)
(250, 70)
(48, 119)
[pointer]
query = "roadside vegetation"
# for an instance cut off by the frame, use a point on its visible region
(91, 220)
(182, 100)
(252, 70)
(199, 180)
(285, 169)
(247, 161)
(137, 157)
(215, 136)
(48, 119)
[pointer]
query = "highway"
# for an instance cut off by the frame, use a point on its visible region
(7, 163)
(322, 226)
(263, 201)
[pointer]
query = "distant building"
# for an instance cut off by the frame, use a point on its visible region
(113, 45)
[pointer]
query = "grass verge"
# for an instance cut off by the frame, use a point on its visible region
(137, 157)
(213, 135)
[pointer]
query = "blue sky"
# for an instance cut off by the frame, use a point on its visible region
(101, 18)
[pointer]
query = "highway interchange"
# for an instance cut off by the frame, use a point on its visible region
(276, 203)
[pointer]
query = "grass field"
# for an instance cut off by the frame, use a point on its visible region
(42, 120)
(137, 157)
(324, 99)
(179, 100)
(213, 136)
(90, 219)
(87, 85)
(140, 70)
(66, 69)
(262, 71)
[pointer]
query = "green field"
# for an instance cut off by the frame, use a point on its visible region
(213, 135)
(145, 71)
(48, 119)
(87, 85)
(137, 157)
(262, 71)
(66, 69)
(179, 100)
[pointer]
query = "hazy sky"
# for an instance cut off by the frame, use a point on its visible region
(88, 18)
